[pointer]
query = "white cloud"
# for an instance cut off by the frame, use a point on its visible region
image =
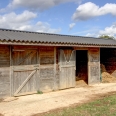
(39, 27)
(89, 10)
(45, 27)
(71, 25)
(12, 20)
(96, 32)
(23, 21)
(38, 4)
(111, 31)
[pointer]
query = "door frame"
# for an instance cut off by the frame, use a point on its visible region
(84, 49)
(89, 63)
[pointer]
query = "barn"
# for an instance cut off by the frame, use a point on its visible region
(31, 61)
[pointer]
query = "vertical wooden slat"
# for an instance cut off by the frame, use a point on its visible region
(4, 71)
(46, 69)
(63, 71)
(11, 72)
(38, 71)
(54, 67)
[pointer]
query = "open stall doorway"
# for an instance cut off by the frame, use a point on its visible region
(81, 67)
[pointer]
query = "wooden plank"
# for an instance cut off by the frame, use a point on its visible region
(5, 57)
(47, 73)
(63, 78)
(93, 66)
(49, 51)
(47, 78)
(38, 71)
(25, 67)
(80, 48)
(46, 60)
(46, 66)
(4, 75)
(23, 84)
(46, 85)
(71, 71)
(11, 71)
(4, 90)
(67, 66)
(26, 57)
(16, 50)
(24, 70)
(55, 68)
(4, 71)
(46, 55)
(20, 47)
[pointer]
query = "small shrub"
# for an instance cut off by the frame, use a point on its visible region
(39, 92)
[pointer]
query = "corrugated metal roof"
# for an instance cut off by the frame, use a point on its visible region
(23, 36)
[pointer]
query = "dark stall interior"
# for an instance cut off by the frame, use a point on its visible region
(81, 66)
(108, 64)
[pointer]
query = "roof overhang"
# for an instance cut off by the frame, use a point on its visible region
(54, 44)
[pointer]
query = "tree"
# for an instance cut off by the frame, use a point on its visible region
(106, 37)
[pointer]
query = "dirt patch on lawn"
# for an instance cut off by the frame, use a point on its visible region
(1, 114)
(1, 99)
(97, 97)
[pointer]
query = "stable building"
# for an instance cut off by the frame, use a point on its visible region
(31, 61)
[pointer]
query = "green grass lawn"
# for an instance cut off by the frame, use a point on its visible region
(103, 107)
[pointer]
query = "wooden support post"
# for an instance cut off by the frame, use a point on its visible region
(93, 66)
(38, 71)
(11, 74)
(54, 68)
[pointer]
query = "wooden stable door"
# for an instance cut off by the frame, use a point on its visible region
(25, 69)
(94, 66)
(67, 68)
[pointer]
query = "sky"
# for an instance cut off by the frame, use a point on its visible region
(90, 18)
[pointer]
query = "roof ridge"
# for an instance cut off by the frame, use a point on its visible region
(3, 29)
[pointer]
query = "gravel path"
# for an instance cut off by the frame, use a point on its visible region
(39, 103)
